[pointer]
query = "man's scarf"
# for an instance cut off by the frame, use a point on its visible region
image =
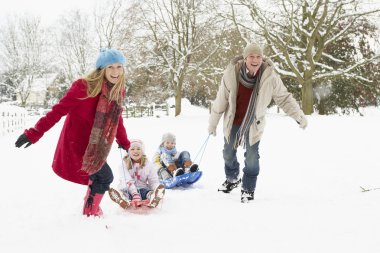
(103, 132)
(249, 82)
(245, 79)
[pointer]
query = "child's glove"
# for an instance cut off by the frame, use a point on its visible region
(136, 197)
(172, 167)
(164, 159)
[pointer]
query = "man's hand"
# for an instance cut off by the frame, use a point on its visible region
(212, 130)
(302, 121)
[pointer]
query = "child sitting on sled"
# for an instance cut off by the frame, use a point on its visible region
(170, 162)
(139, 181)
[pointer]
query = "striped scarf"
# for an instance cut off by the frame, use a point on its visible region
(103, 132)
(249, 82)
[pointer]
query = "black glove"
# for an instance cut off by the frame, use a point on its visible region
(122, 147)
(22, 140)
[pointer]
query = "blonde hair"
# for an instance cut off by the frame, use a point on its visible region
(95, 80)
(128, 161)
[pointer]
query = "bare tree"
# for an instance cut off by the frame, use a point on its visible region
(177, 29)
(74, 45)
(114, 23)
(203, 85)
(24, 51)
(297, 34)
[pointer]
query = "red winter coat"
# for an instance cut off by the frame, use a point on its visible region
(75, 133)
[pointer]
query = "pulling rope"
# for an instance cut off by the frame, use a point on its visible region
(202, 150)
(122, 164)
(124, 171)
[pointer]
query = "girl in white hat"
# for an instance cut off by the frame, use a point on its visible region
(138, 181)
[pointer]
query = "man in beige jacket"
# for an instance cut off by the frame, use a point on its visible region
(248, 86)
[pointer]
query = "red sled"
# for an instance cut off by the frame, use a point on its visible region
(139, 203)
(118, 198)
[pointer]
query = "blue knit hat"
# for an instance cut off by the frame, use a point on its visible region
(109, 56)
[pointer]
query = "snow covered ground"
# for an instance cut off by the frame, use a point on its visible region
(308, 196)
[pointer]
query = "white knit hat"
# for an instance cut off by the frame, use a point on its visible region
(136, 143)
(168, 137)
(252, 48)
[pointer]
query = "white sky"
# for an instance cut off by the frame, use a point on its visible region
(48, 10)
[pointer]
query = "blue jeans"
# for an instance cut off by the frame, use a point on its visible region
(164, 173)
(182, 158)
(251, 162)
(142, 191)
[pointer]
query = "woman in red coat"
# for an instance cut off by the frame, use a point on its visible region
(92, 107)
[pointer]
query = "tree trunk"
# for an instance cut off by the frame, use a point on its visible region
(321, 107)
(178, 99)
(307, 97)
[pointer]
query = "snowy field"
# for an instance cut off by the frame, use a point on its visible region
(308, 197)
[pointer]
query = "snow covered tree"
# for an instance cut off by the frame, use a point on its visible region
(24, 53)
(347, 93)
(117, 26)
(297, 34)
(115, 23)
(75, 48)
(203, 86)
(177, 30)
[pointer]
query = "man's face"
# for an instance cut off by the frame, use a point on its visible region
(253, 62)
(114, 72)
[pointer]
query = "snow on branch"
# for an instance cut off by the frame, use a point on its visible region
(332, 58)
(285, 73)
(347, 71)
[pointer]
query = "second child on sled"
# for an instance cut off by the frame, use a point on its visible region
(171, 162)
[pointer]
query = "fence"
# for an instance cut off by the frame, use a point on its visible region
(12, 118)
(151, 110)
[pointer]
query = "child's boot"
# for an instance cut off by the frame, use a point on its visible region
(187, 164)
(164, 174)
(172, 167)
(118, 198)
(178, 172)
(156, 195)
(192, 168)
